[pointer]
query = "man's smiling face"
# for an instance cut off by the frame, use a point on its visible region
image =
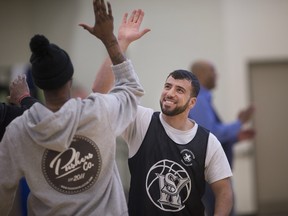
(176, 96)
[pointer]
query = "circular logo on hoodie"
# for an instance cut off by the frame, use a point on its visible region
(75, 169)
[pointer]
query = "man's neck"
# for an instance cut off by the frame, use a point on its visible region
(179, 122)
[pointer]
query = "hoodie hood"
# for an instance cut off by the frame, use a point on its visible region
(53, 130)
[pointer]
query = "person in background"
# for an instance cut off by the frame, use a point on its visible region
(170, 155)
(204, 113)
(19, 100)
(66, 148)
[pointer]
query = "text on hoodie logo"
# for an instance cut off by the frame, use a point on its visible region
(75, 169)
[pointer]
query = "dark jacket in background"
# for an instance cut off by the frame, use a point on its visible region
(9, 112)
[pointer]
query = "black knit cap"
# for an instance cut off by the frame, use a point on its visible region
(51, 65)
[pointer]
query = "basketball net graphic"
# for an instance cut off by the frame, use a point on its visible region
(168, 185)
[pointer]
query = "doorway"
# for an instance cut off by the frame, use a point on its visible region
(269, 93)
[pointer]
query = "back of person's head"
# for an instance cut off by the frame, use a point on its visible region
(205, 72)
(184, 74)
(51, 65)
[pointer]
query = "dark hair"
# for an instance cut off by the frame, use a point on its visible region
(184, 74)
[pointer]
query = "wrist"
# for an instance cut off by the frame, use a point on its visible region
(26, 94)
(123, 45)
(110, 41)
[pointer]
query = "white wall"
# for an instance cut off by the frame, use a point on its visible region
(228, 32)
(176, 39)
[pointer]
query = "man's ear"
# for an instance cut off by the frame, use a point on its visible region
(192, 103)
(70, 83)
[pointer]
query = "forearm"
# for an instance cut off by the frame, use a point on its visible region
(223, 206)
(223, 197)
(105, 78)
(114, 51)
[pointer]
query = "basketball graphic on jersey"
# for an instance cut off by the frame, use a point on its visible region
(168, 185)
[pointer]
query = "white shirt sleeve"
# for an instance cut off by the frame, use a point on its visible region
(136, 131)
(216, 164)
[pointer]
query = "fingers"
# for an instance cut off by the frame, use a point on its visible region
(97, 10)
(100, 10)
(144, 31)
(20, 79)
(132, 16)
(135, 17)
(95, 6)
(98, 6)
(109, 9)
(140, 16)
(18, 89)
(124, 19)
(130, 27)
(86, 27)
(103, 19)
(102, 6)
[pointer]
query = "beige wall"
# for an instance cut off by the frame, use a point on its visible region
(228, 32)
(254, 31)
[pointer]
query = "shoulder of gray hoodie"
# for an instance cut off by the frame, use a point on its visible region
(100, 117)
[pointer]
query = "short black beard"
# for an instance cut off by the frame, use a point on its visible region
(176, 111)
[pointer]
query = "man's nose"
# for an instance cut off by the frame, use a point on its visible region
(171, 93)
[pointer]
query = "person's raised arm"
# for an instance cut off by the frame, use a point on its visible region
(103, 29)
(128, 32)
(120, 105)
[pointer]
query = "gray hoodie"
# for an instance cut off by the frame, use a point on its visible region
(68, 157)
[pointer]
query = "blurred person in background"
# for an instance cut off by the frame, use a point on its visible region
(204, 113)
